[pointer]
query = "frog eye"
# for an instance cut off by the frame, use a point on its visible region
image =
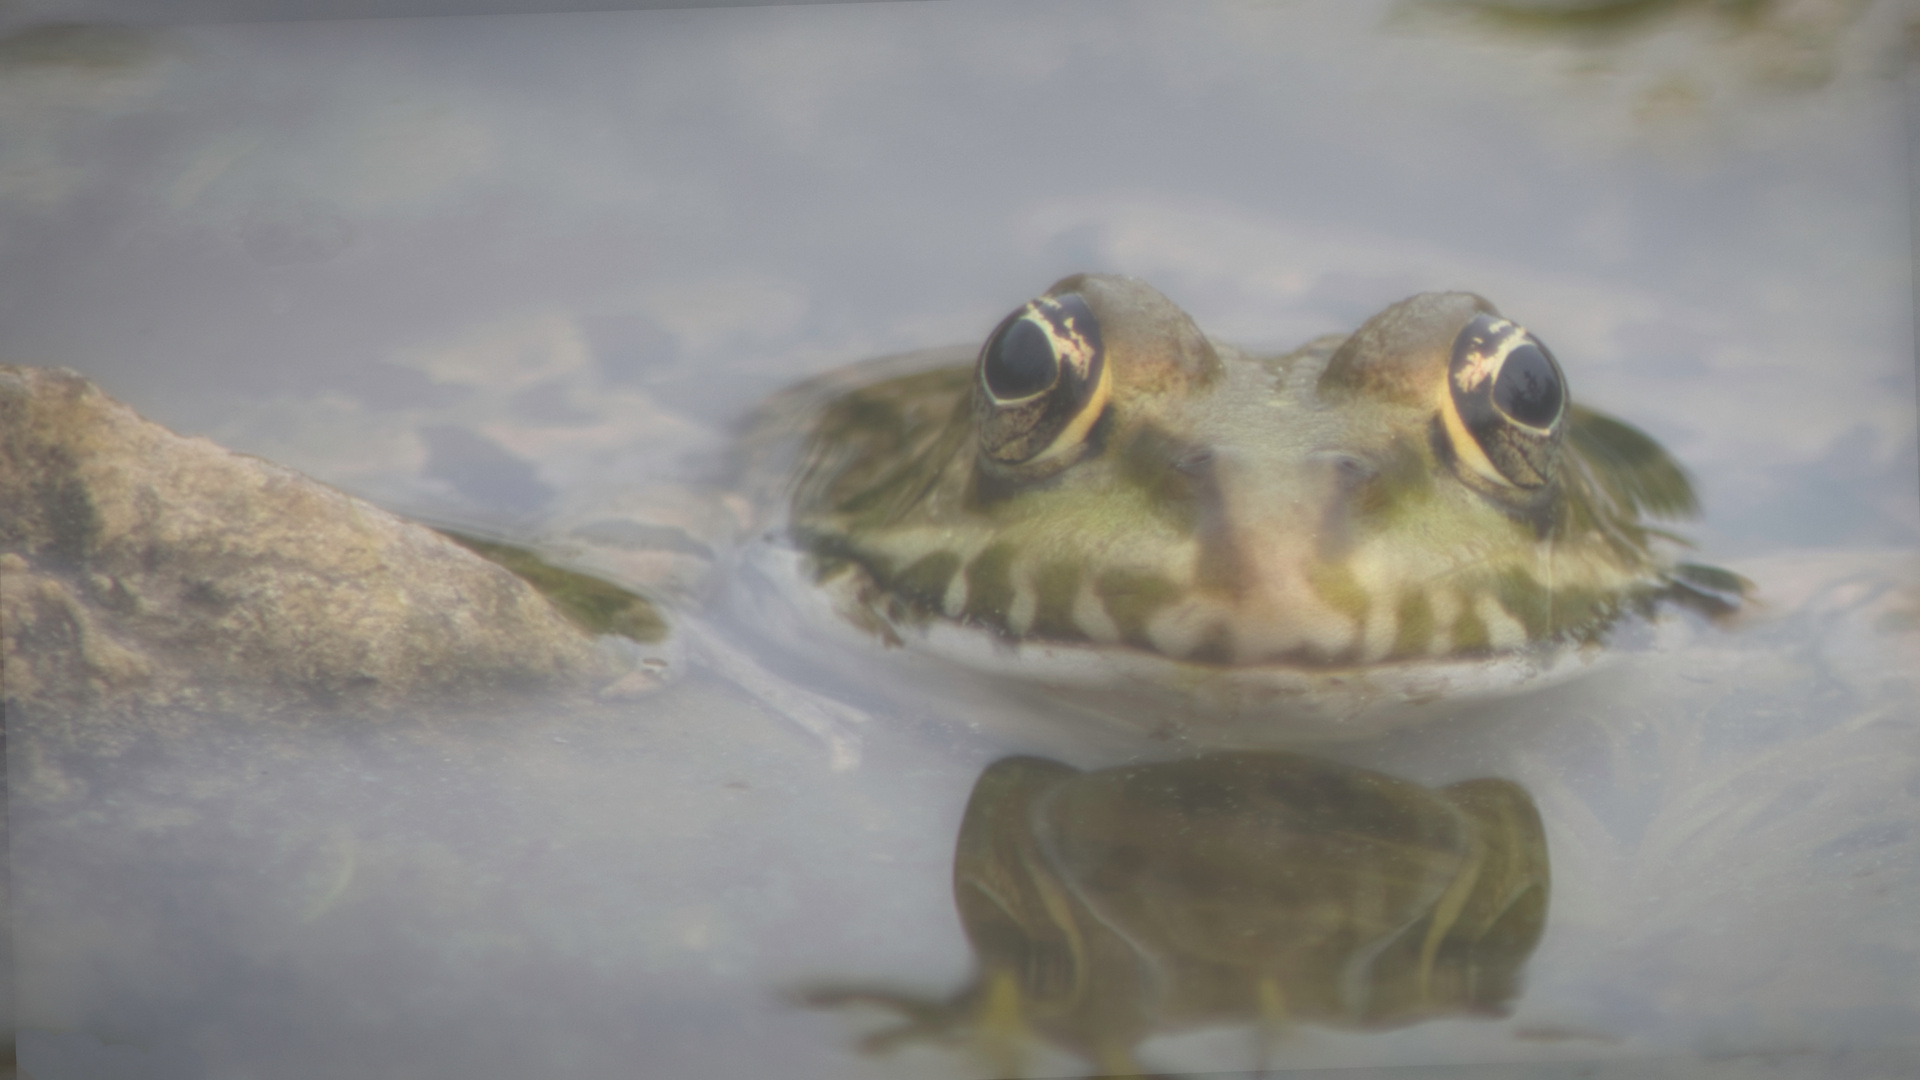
(1042, 382)
(1507, 392)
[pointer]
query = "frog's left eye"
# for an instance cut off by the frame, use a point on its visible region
(1042, 382)
(1509, 395)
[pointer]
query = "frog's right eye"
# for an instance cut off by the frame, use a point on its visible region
(1042, 383)
(1507, 392)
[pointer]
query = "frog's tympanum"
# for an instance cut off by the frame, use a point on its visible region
(1107, 498)
(1247, 887)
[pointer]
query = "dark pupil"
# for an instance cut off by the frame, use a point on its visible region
(1528, 388)
(1021, 362)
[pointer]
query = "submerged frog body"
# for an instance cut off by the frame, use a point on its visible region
(1106, 498)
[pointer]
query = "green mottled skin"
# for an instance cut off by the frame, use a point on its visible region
(1310, 510)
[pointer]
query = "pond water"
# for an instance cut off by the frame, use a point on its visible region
(524, 271)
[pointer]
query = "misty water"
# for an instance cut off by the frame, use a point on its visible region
(516, 272)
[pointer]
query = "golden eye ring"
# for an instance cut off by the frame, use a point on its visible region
(1041, 383)
(1506, 403)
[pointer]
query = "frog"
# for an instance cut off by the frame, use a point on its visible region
(1252, 548)
(1132, 527)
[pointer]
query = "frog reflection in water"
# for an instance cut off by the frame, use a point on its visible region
(1106, 907)
(1309, 543)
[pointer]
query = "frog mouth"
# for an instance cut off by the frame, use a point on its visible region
(1322, 619)
(1143, 691)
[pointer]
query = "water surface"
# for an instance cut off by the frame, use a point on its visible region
(509, 270)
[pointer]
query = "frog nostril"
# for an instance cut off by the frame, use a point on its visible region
(1348, 471)
(1193, 461)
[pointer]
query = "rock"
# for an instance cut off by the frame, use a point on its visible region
(139, 568)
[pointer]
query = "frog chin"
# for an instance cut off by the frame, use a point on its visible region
(1253, 706)
(1152, 704)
